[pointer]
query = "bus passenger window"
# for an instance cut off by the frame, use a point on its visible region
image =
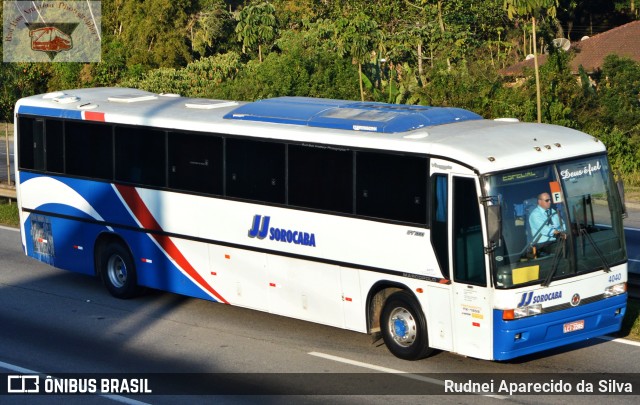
(88, 150)
(321, 177)
(195, 162)
(54, 146)
(255, 170)
(140, 156)
(391, 186)
(31, 143)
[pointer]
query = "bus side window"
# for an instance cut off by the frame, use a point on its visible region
(140, 156)
(88, 150)
(195, 162)
(391, 186)
(31, 143)
(54, 146)
(255, 170)
(321, 178)
(439, 221)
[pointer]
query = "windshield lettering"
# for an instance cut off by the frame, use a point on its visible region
(586, 170)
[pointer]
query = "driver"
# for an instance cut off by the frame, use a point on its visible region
(544, 221)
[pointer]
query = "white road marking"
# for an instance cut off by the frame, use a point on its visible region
(390, 371)
(620, 340)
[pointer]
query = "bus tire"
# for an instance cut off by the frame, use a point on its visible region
(118, 271)
(404, 328)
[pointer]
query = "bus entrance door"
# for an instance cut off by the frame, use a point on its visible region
(471, 299)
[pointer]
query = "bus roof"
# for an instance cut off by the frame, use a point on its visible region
(349, 115)
(449, 133)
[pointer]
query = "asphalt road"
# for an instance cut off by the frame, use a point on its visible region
(56, 322)
(3, 157)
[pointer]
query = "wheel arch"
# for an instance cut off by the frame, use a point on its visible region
(104, 239)
(376, 299)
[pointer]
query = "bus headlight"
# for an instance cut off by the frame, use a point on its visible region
(615, 290)
(521, 312)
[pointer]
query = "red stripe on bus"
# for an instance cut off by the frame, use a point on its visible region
(146, 219)
(93, 116)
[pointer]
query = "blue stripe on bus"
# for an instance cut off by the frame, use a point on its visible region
(160, 273)
(545, 331)
(50, 112)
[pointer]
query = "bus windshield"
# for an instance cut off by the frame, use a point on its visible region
(557, 220)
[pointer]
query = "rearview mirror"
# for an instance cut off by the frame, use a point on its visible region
(494, 223)
(620, 185)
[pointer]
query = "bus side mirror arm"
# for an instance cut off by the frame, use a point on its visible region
(491, 248)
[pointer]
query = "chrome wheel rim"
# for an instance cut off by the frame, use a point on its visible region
(403, 327)
(117, 271)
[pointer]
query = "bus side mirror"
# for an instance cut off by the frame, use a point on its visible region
(494, 223)
(620, 185)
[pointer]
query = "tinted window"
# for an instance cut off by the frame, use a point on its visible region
(89, 150)
(54, 146)
(195, 163)
(320, 177)
(391, 187)
(31, 143)
(255, 170)
(440, 221)
(140, 156)
(468, 257)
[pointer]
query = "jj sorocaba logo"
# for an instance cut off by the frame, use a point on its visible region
(51, 38)
(260, 229)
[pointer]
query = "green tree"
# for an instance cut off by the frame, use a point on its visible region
(19, 80)
(153, 32)
(256, 26)
(301, 68)
(619, 93)
(292, 14)
(209, 26)
(357, 37)
(201, 78)
(532, 9)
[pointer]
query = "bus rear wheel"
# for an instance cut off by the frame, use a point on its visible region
(404, 329)
(118, 271)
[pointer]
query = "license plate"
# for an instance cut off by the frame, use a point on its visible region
(573, 326)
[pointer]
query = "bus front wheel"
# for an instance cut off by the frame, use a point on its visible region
(117, 271)
(404, 329)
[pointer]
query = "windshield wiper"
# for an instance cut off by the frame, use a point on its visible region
(585, 233)
(556, 261)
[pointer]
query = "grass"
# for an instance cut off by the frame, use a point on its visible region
(631, 323)
(9, 213)
(632, 194)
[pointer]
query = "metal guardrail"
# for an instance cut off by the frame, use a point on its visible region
(8, 192)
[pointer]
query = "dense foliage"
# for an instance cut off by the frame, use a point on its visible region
(432, 52)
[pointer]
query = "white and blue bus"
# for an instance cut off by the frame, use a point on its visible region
(408, 222)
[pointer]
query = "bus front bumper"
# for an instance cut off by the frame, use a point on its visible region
(519, 337)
